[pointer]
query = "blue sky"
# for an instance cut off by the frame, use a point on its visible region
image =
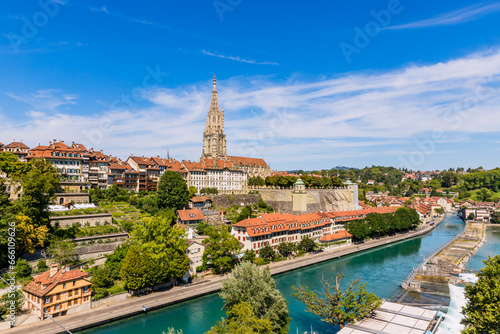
(304, 85)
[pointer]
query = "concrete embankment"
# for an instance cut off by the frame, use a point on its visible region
(133, 306)
(444, 265)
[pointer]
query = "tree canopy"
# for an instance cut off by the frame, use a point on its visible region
(172, 191)
(251, 284)
(242, 320)
(482, 311)
(220, 249)
(335, 305)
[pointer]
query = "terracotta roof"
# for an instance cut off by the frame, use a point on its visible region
(339, 235)
(199, 199)
(242, 161)
(1, 144)
(193, 214)
(169, 164)
(57, 147)
(206, 163)
(16, 144)
(44, 279)
(272, 222)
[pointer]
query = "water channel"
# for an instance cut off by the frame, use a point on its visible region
(383, 269)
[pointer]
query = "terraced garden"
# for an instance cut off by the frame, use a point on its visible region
(124, 214)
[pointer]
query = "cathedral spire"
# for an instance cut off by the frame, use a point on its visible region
(214, 103)
(214, 139)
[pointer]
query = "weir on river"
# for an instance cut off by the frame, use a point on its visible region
(383, 269)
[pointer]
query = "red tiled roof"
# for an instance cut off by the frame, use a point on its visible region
(169, 164)
(199, 199)
(339, 235)
(57, 147)
(242, 161)
(44, 279)
(193, 214)
(16, 144)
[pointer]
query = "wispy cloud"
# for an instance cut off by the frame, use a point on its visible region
(238, 59)
(364, 116)
(103, 9)
(41, 47)
(45, 101)
(157, 25)
(462, 15)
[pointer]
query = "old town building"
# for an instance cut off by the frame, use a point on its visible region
(66, 159)
(274, 228)
(18, 148)
(57, 292)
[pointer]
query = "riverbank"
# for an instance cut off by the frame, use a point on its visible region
(443, 266)
(123, 309)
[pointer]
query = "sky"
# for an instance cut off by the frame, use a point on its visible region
(411, 84)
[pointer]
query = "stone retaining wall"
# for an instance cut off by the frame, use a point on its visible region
(93, 220)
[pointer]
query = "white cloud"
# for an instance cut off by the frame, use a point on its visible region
(458, 16)
(291, 122)
(238, 59)
(45, 100)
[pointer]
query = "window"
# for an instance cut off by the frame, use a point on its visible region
(85, 289)
(74, 282)
(64, 285)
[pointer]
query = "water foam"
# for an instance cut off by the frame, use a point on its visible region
(451, 323)
(469, 278)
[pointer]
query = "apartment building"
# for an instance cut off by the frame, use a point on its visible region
(57, 292)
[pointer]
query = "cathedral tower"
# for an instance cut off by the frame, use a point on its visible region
(214, 139)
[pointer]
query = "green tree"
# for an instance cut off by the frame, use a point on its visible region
(172, 192)
(482, 311)
(262, 204)
(140, 270)
(484, 195)
(192, 191)
(22, 268)
(307, 244)
(39, 185)
(286, 249)
(166, 244)
(245, 213)
(62, 252)
(28, 235)
(41, 265)
(242, 320)
(267, 253)
(11, 299)
(249, 256)
(337, 306)
(102, 278)
(11, 166)
(495, 217)
(220, 249)
(114, 260)
(251, 284)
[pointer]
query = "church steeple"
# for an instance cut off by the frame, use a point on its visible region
(214, 139)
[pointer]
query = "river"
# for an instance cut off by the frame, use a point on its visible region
(383, 269)
(491, 247)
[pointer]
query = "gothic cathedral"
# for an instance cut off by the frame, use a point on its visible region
(214, 139)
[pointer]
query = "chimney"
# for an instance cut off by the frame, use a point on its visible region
(53, 270)
(67, 268)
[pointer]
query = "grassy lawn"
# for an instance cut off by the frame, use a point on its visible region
(495, 198)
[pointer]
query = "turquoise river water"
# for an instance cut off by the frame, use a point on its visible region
(383, 269)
